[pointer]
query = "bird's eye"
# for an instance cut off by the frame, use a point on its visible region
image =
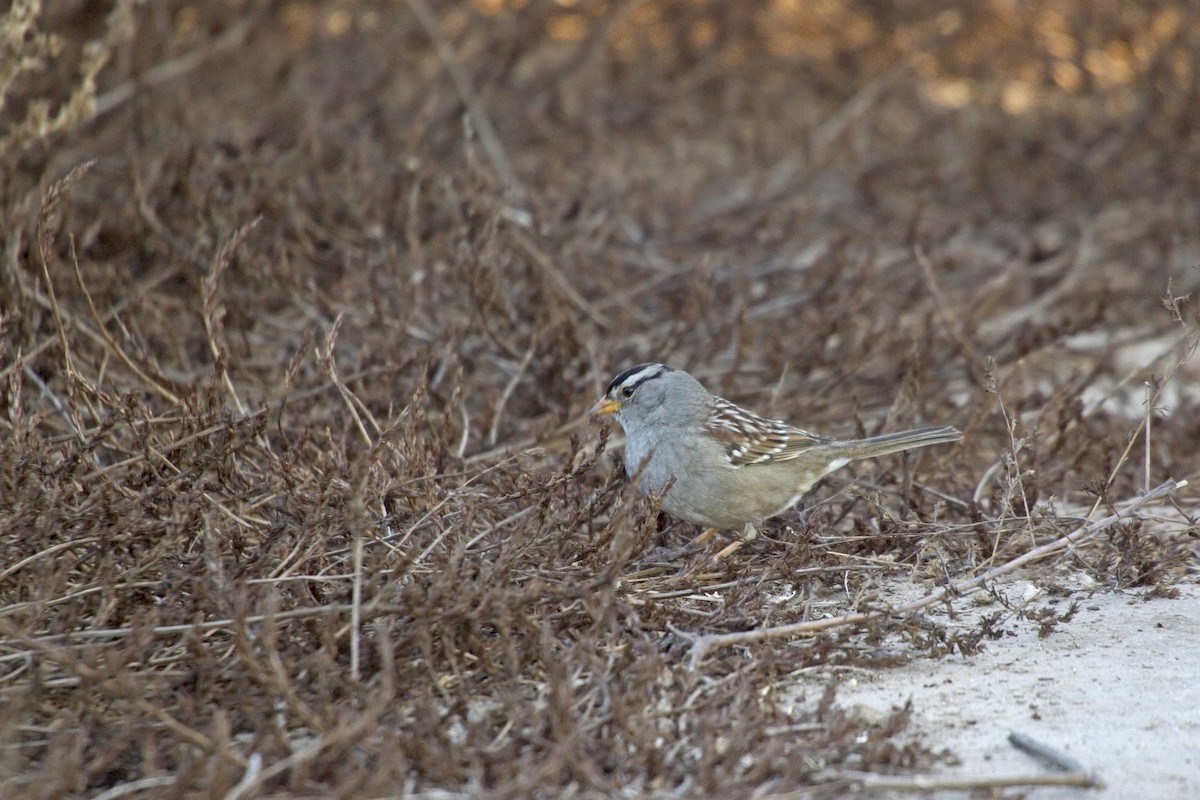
(627, 392)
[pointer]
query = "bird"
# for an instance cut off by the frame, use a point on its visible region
(723, 467)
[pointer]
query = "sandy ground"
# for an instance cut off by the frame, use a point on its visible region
(1115, 688)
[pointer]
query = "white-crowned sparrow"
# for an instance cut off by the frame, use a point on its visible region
(728, 469)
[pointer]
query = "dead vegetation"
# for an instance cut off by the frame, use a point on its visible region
(297, 331)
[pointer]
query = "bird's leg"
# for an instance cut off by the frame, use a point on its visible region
(698, 543)
(749, 534)
(660, 554)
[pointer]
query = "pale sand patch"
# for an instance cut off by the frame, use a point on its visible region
(1117, 688)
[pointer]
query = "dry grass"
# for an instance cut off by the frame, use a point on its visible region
(295, 494)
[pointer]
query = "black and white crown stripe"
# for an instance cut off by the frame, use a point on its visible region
(635, 376)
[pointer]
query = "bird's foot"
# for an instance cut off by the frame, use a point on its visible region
(749, 534)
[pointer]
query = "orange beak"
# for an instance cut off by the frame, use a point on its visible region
(605, 406)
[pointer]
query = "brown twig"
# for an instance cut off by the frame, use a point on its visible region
(328, 361)
(1069, 772)
(118, 688)
(1190, 342)
(509, 388)
(929, 783)
(214, 310)
(462, 84)
(176, 67)
(167, 630)
(560, 280)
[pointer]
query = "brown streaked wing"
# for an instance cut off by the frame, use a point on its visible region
(751, 439)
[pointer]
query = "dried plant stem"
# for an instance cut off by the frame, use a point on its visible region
(560, 280)
(360, 724)
(49, 551)
(47, 226)
(58, 320)
(511, 518)
(1146, 454)
(930, 784)
(951, 318)
(137, 292)
(703, 644)
(214, 310)
(1190, 342)
(1069, 773)
(116, 687)
(326, 357)
(48, 222)
(27, 49)
(358, 520)
(134, 787)
(462, 84)
(1015, 445)
(165, 450)
(231, 39)
(509, 388)
(1045, 753)
(154, 383)
(356, 604)
(160, 630)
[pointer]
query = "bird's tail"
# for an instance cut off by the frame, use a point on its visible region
(855, 449)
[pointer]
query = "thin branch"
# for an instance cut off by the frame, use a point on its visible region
(326, 357)
(462, 84)
(560, 280)
(160, 630)
(509, 388)
(1069, 773)
(214, 310)
(133, 787)
(118, 688)
(1146, 454)
(1190, 343)
(929, 783)
(176, 67)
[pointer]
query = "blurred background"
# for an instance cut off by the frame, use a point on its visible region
(820, 194)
